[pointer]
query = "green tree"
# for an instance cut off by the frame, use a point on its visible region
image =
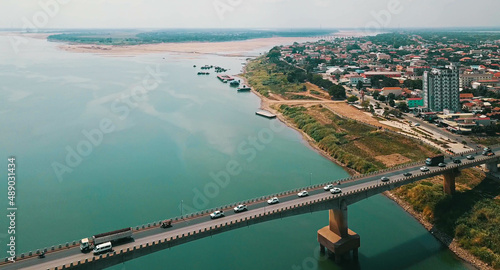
(403, 107)
(365, 104)
(392, 103)
(352, 99)
(359, 85)
(337, 91)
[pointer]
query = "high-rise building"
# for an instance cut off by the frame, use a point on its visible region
(441, 89)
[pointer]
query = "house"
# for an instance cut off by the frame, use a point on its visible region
(397, 91)
(415, 102)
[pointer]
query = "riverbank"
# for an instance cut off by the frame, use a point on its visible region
(266, 105)
(448, 241)
(270, 104)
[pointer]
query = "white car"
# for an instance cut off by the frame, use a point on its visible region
(240, 208)
(328, 187)
(424, 169)
(273, 200)
(303, 193)
(335, 190)
(217, 214)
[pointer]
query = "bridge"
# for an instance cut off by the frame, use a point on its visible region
(337, 238)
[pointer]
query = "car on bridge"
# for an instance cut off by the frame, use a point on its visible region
(273, 200)
(424, 169)
(217, 214)
(384, 179)
(487, 152)
(240, 208)
(442, 165)
(335, 190)
(328, 187)
(303, 193)
(407, 174)
(457, 161)
(470, 157)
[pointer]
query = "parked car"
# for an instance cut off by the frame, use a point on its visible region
(217, 214)
(442, 165)
(335, 190)
(424, 169)
(240, 208)
(328, 187)
(384, 179)
(470, 157)
(407, 174)
(457, 161)
(273, 200)
(303, 193)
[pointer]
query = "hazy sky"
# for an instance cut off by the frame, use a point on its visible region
(247, 13)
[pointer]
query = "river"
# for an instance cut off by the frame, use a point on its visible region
(102, 143)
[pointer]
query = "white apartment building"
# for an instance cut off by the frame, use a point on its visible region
(441, 89)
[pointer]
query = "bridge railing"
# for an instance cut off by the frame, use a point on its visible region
(296, 190)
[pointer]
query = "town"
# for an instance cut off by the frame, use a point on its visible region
(449, 79)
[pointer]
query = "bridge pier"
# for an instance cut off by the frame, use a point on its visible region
(449, 181)
(492, 167)
(336, 237)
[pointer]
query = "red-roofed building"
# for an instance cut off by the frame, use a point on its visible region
(466, 95)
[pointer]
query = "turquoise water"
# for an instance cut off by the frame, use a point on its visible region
(165, 145)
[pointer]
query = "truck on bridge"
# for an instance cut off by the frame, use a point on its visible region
(435, 160)
(86, 244)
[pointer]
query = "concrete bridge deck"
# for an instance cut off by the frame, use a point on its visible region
(197, 226)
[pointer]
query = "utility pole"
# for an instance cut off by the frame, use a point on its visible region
(181, 209)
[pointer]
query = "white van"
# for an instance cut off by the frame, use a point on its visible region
(104, 247)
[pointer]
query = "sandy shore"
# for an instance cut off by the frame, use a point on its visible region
(230, 48)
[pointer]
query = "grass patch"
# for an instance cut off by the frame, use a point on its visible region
(472, 215)
(352, 143)
(299, 97)
(492, 140)
(266, 78)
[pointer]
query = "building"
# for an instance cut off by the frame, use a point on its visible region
(390, 74)
(467, 79)
(415, 102)
(441, 89)
(355, 78)
(486, 83)
(397, 91)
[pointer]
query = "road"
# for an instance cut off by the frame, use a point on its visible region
(436, 130)
(183, 227)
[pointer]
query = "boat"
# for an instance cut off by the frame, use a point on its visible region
(234, 83)
(203, 73)
(225, 78)
(244, 89)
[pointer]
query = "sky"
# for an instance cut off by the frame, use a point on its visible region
(288, 14)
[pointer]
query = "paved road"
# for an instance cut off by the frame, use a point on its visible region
(431, 127)
(142, 237)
